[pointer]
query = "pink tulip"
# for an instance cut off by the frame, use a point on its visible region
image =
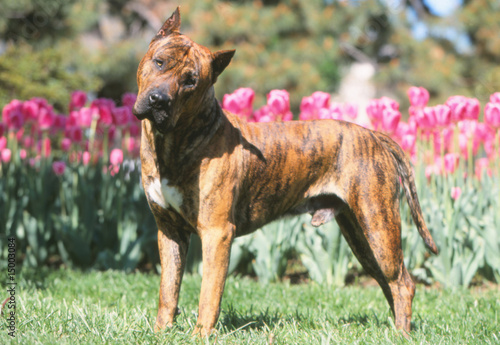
(263, 115)
(23, 154)
(104, 107)
(240, 102)
(12, 115)
(122, 115)
(6, 155)
(444, 138)
(86, 116)
(419, 96)
(374, 112)
(455, 192)
(495, 98)
(350, 110)
(65, 144)
(3, 143)
(59, 167)
(30, 110)
(443, 115)
(463, 143)
(131, 145)
(320, 99)
(44, 147)
(482, 165)
(308, 110)
(128, 99)
(492, 114)
(59, 122)
(408, 142)
(390, 120)
(116, 157)
(3, 128)
(86, 158)
(457, 106)
(288, 116)
(45, 118)
(472, 109)
(78, 100)
(74, 133)
(433, 169)
(451, 162)
(426, 119)
(28, 142)
(376, 107)
(333, 112)
(278, 102)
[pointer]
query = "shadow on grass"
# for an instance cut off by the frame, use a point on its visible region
(39, 278)
(233, 320)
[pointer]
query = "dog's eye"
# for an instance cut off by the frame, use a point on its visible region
(158, 63)
(189, 80)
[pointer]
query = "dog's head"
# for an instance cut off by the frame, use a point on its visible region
(176, 76)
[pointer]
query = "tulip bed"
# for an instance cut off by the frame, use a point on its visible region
(70, 188)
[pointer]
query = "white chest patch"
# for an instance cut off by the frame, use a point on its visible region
(164, 195)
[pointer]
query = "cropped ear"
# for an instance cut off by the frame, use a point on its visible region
(171, 25)
(220, 60)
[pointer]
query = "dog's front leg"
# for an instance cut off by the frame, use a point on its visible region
(173, 249)
(216, 246)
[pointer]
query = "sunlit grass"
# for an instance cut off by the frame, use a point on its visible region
(64, 306)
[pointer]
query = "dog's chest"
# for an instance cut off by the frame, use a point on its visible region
(165, 195)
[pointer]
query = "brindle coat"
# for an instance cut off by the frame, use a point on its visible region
(208, 172)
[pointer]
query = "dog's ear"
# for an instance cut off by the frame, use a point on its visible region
(171, 25)
(220, 60)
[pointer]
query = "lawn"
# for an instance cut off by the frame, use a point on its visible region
(65, 306)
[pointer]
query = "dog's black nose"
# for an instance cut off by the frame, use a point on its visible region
(158, 99)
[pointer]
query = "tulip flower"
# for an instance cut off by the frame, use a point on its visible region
(278, 102)
(419, 96)
(59, 167)
(492, 114)
(78, 100)
(240, 102)
(5, 155)
(455, 192)
(442, 115)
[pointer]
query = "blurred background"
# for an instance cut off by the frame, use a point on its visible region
(357, 50)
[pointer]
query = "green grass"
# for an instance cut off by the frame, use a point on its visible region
(71, 307)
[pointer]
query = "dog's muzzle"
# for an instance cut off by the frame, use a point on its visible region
(151, 106)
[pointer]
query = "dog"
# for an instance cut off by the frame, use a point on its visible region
(205, 171)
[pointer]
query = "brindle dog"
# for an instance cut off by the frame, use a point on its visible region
(207, 172)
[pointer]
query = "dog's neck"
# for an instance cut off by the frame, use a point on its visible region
(183, 145)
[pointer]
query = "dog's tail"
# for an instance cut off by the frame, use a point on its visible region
(406, 173)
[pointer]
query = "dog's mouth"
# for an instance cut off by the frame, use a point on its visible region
(158, 116)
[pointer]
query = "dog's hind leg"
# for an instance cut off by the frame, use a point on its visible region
(374, 234)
